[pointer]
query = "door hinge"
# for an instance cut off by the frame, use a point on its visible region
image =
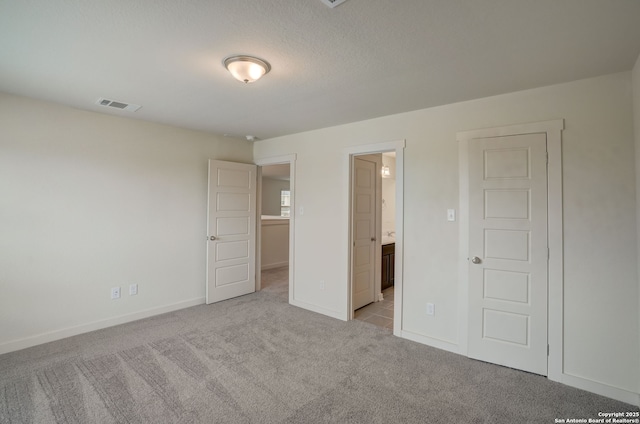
(547, 350)
(548, 253)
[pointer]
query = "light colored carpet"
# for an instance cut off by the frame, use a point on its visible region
(256, 359)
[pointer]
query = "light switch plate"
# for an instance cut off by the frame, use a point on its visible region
(431, 309)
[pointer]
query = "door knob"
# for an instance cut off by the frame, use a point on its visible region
(373, 239)
(476, 260)
(212, 238)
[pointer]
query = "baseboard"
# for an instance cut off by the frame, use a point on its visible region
(430, 341)
(317, 309)
(63, 333)
(274, 265)
(601, 389)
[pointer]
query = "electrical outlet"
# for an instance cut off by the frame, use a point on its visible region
(133, 289)
(451, 215)
(431, 309)
(321, 284)
(115, 293)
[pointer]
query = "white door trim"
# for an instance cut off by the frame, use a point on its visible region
(553, 129)
(389, 146)
(276, 160)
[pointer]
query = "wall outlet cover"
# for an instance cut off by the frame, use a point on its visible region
(451, 214)
(115, 293)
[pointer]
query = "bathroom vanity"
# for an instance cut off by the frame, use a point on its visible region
(388, 265)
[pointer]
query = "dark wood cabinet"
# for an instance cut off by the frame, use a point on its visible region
(388, 265)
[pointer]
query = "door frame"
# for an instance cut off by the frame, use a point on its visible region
(384, 147)
(277, 160)
(553, 130)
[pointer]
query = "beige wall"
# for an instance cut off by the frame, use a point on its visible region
(601, 345)
(271, 189)
(274, 243)
(89, 202)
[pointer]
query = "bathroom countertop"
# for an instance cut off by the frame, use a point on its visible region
(388, 240)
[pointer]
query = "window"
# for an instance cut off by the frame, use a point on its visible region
(285, 203)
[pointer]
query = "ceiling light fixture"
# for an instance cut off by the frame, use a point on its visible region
(246, 68)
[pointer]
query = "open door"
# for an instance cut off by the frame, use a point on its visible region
(231, 230)
(364, 232)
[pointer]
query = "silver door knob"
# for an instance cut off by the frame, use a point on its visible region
(212, 238)
(476, 260)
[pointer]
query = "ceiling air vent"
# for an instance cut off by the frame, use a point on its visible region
(117, 105)
(333, 3)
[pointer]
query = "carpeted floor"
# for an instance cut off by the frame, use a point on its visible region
(256, 359)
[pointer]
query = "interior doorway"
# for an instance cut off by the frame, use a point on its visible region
(275, 202)
(393, 231)
(377, 309)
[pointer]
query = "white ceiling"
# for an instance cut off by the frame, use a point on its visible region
(360, 60)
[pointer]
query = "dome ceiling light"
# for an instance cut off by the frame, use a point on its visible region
(246, 68)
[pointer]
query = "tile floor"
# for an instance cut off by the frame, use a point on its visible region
(378, 313)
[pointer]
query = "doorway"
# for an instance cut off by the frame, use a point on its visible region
(276, 226)
(376, 243)
(275, 206)
(379, 310)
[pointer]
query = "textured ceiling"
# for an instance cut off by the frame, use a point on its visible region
(360, 60)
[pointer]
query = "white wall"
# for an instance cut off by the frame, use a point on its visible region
(601, 327)
(389, 195)
(271, 189)
(89, 202)
(636, 121)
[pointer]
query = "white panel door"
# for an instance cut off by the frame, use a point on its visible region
(363, 228)
(231, 229)
(508, 251)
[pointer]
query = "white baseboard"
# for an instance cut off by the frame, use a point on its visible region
(63, 333)
(567, 379)
(318, 309)
(601, 389)
(274, 265)
(430, 341)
